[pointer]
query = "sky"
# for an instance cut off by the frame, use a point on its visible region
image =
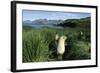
(52, 15)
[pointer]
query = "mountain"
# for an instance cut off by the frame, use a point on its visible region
(45, 21)
(83, 22)
(27, 21)
(85, 19)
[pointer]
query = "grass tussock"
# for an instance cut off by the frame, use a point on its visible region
(39, 44)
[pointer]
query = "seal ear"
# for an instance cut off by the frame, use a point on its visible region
(56, 37)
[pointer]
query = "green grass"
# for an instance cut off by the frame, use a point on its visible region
(39, 44)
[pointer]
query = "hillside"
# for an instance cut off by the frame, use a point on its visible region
(83, 22)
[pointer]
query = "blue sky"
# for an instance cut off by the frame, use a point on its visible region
(52, 15)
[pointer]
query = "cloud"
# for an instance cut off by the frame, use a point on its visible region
(32, 15)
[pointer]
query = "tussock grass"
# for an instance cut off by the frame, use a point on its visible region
(39, 44)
